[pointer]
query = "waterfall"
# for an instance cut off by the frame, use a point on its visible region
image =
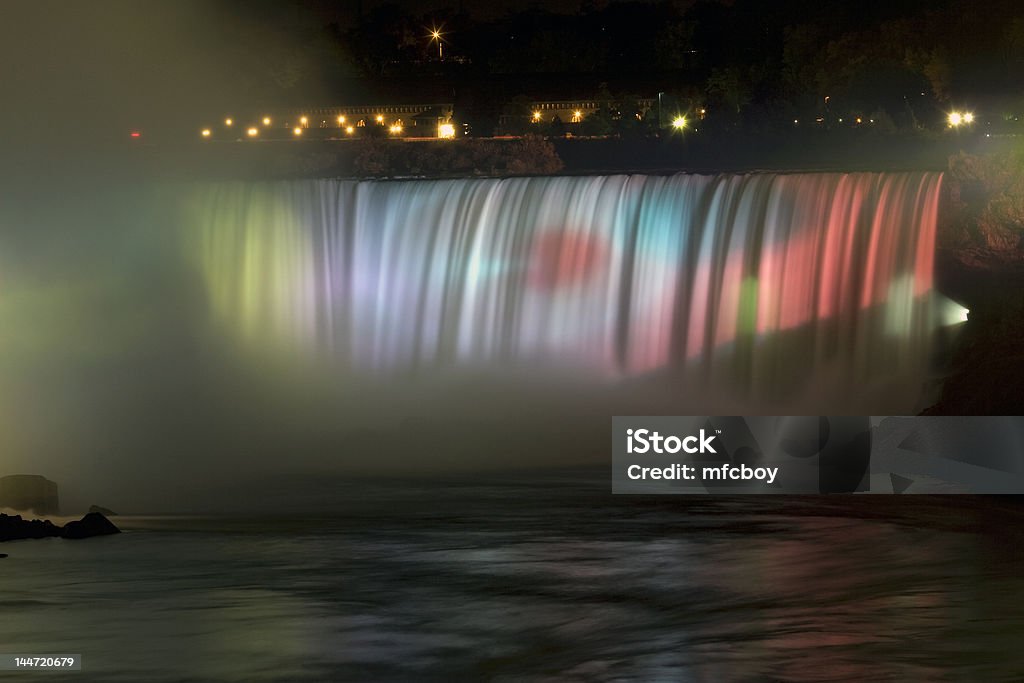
(762, 283)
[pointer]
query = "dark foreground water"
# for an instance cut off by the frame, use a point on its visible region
(528, 583)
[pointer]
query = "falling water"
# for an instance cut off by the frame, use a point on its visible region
(757, 285)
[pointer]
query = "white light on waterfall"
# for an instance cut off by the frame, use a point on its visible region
(948, 312)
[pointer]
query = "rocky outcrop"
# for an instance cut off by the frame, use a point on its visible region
(102, 510)
(29, 492)
(14, 528)
(93, 524)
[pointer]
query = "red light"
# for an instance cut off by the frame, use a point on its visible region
(136, 134)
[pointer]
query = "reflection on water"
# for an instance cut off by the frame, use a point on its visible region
(540, 584)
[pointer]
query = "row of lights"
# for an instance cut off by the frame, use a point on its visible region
(679, 122)
(444, 130)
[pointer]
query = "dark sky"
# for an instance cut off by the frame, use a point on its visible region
(78, 72)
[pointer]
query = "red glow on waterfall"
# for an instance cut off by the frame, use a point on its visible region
(565, 258)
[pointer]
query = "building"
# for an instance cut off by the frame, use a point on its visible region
(429, 120)
(567, 111)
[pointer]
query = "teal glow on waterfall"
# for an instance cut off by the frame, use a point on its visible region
(746, 281)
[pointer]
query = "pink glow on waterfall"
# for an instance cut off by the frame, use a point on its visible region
(623, 274)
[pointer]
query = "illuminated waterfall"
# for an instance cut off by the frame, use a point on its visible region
(750, 280)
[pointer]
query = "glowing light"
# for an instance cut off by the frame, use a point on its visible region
(229, 122)
(858, 120)
(395, 129)
(968, 117)
(380, 119)
(949, 312)
(297, 130)
(136, 134)
(679, 122)
(446, 131)
(205, 132)
(304, 120)
(341, 120)
(435, 34)
(266, 120)
(955, 119)
(350, 130)
(536, 116)
(253, 132)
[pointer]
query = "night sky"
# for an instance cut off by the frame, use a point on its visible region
(76, 72)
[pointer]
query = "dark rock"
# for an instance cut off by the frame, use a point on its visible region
(93, 524)
(14, 528)
(102, 510)
(29, 492)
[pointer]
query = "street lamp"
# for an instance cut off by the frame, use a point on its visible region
(959, 118)
(266, 120)
(679, 122)
(435, 34)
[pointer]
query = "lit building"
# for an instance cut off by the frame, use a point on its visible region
(411, 120)
(571, 111)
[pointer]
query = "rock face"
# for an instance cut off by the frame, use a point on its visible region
(14, 528)
(29, 492)
(93, 524)
(102, 510)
